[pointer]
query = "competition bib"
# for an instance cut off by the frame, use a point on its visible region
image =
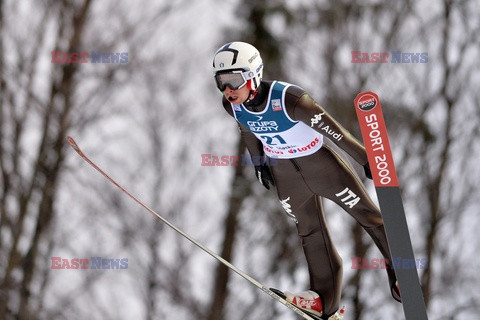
(281, 136)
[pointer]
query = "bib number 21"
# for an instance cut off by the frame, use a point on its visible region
(272, 141)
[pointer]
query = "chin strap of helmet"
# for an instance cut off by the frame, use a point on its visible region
(253, 93)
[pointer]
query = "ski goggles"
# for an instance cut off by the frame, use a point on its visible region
(234, 79)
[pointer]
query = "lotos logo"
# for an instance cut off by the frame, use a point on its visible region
(305, 148)
(367, 102)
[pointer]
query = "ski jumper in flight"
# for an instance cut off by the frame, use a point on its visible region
(280, 121)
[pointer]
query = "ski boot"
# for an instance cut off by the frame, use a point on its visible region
(309, 301)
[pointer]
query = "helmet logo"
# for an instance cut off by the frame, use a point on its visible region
(253, 57)
(234, 51)
(222, 65)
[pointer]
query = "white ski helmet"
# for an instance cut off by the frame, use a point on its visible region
(240, 59)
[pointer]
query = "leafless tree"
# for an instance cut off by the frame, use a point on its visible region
(149, 120)
(30, 174)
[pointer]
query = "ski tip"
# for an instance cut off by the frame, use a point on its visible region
(73, 144)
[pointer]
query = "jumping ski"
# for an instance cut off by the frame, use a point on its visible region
(277, 295)
(377, 145)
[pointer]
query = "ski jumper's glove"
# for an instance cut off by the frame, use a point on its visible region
(264, 176)
(368, 172)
